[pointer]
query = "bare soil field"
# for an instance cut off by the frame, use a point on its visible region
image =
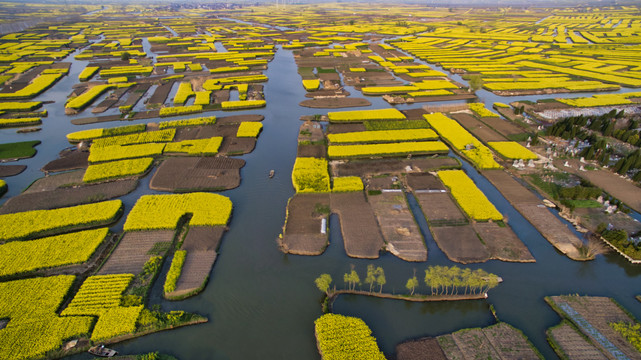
(98, 119)
(421, 349)
(621, 188)
(552, 229)
(398, 226)
(68, 196)
(334, 103)
(476, 127)
(439, 209)
(133, 251)
(201, 244)
(414, 114)
(180, 174)
(160, 95)
(69, 160)
(424, 181)
(387, 166)
(500, 341)
(52, 182)
(361, 235)
(420, 99)
(502, 242)
(302, 231)
(572, 345)
(599, 312)
(525, 202)
(197, 132)
(502, 126)
(317, 151)
(237, 146)
(328, 93)
(237, 119)
(11, 170)
(345, 128)
(460, 243)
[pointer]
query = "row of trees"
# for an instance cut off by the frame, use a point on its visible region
(442, 280)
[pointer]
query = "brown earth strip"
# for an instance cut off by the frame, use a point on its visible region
(424, 181)
(398, 226)
(460, 243)
(420, 349)
(71, 196)
(573, 345)
(11, 170)
(476, 127)
(324, 93)
(439, 209)
(502, 242)
(317, 151)
(302, 231)
(196, 132)
(503, 127)
(132, 252)
(160, 95)
(69, 160)
(52, 182)
(414, 114)
(181, 174)
(201, 244)
(361, 235)
(454, 97)
(96, 119)
(621, 188)
(237, 146)
(334, 103)
(110, 101)
(600, 312)
(500, 341)
(136, 93)
(236, 119)
(337, 128)
(386, 166)
(525, 202)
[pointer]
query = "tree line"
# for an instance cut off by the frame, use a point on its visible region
(441, 280)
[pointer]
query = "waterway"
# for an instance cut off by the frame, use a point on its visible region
(262, 303)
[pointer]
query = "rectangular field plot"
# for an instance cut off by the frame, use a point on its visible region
(592, 315)
(460, 244)
(500, 341)
(361, 235)
(133, 251)
(502, 242)
(477, 128)
(398, 226)
(302, 235)
(572, 344)
(440, 209)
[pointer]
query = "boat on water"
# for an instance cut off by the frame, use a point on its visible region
(271, 173)
(102, 351)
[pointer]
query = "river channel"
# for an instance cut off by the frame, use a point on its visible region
(262, 304)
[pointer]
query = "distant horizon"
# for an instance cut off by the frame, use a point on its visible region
(428, 3)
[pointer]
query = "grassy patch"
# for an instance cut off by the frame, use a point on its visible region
(18, 150)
